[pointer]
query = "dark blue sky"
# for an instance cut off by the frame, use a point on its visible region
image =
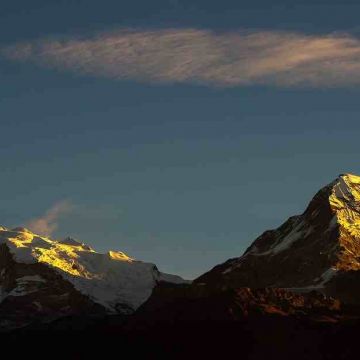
(179, 174)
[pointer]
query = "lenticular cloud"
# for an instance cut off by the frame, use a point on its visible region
(202, 57)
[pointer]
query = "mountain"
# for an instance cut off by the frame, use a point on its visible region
(197, 321)
(294, 294)
(44, 279)
(317, 250)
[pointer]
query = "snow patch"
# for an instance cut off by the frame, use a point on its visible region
(25, 285)
(333, 223)
(174, 279)
(228, 270)
(327, 276)
(320, 282)
(30, 278)
(300, 231)
(295, 235)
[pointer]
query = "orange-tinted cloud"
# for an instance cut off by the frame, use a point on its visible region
(203, 57)
(48, 223)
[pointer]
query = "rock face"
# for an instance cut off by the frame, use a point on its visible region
(196, 303)
(34, 292)
(43, 279)
(319, 249)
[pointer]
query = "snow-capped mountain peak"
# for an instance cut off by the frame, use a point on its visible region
(113, 280)
(309, 251)
(345, 202)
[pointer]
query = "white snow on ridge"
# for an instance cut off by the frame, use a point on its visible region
(319, 283)
(174, 279)
(301, 230)
(288, 240)
(22, 286)
(30, 278)
(327, 276)
(108, 279)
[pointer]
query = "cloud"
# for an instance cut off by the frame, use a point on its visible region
(224, 59)
(48, 223)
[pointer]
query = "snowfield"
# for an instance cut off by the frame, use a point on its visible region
(113, 279)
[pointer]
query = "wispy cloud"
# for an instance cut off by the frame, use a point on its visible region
(203, 57)
(49, 222)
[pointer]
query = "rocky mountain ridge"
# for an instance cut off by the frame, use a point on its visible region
(317, 250)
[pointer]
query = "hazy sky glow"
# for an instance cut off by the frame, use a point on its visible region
(175, 131)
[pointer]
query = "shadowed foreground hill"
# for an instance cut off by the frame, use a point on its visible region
(198, 322)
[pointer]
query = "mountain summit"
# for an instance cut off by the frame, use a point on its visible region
(42, 278)
(319, 249)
